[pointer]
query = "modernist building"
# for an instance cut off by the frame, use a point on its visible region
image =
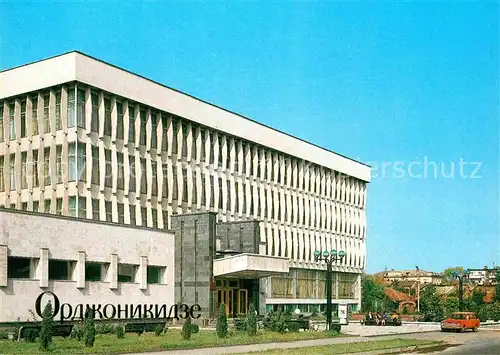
(85, 139)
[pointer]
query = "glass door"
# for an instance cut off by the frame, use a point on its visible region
(242, 301)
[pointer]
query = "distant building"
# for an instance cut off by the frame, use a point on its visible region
(409, 277)
(484, 276)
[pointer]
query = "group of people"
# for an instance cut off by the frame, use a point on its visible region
(381, 318)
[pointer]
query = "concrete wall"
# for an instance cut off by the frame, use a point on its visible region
(242, 236)
(195, 250)
(41, 238)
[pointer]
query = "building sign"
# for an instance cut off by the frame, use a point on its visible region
(343, 313)
(67, 311)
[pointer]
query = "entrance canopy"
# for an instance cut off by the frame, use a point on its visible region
(252, 266)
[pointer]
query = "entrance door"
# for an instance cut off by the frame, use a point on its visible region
(242, 301)
(225, 296)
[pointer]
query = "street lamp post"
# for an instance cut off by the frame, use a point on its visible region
(461, 277)
(329, 258)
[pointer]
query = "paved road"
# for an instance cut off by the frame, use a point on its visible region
(485, 341)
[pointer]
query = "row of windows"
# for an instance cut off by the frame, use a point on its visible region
(300, 283)
(25, 268)
(260, 162)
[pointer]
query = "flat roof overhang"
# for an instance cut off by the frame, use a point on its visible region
(252, 266)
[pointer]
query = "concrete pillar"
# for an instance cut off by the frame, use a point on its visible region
(80, 270)
(43, 267)
(113, 272)
(143, 273)
(3, 265)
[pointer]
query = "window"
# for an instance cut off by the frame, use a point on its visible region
(46, 120)
(12, 123)
(175, 130)
(121, 171)
(81, 110)
(132, 173)
(23, 118)
(144, 185)
(82, 207)
(142, 137)
(36, 180)
(203, 142)
(155, 274)
(184, 140)
(165, 182)
(95, 165)
(60, 269)
(305, 282)
(212, 192)
(126, 273)
(131, 124)
(119, 120)
(59, 206)
(165, 219)
(94, 120)
(220, 194)
(18, 268)
(195, 192)
(36, 206)
(154, 125)
(193, 143)
(59, 167)
(133, 220)
(72, 206)
(174, 185)
(212, 148)
(144, 216)
(47, 205)
(12, 162)
(93, 271)
(2, 176)
(109, 211)
(184, 185)
(203, 192)
(154, 217)
(164, 124)
(1, 122)
(154, 178)
(121, 213)
(58, 111)
(81, 152)
(95, 210)
(24, 206)
(46, 159)
(220, 152)
(282, 286)
(72, 162)
(24, 172)
(71, 108)
(108, 179)
(107, 117)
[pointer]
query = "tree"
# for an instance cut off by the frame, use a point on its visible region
(448, 273)
(89, 329)
(477, 298)
(221, 327)
(45, 337)
(251, 320)
(431, 305)
(186, 329)
(451, 305)
(497, 287)
(372, 294)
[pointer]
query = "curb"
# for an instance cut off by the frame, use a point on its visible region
(400, 350)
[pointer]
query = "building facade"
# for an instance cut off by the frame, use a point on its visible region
(82, 138)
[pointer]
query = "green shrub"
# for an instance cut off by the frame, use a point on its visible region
(77, 332)
(45, 336)
(30, 335)
(221, 327)
(4, 335)
(158, 330)
(195, 328)
(89, 329)
(120, 332)
(105, 329)
(251, 323)
(335, 328)
(292, 327)
(240, 324)
(186, 329)
(275, 322)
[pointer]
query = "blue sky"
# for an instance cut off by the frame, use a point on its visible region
(394, 84)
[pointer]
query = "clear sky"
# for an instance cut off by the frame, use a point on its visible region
(397, 85)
